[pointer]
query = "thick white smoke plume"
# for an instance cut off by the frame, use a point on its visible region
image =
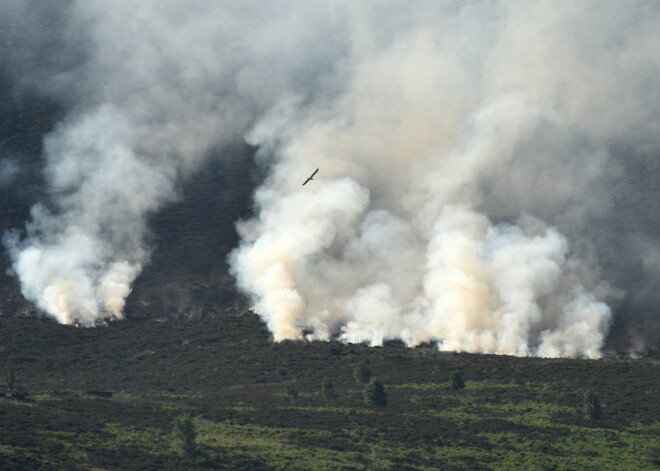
(464, 149)
(417, 260)
(162, 86)
(463, 113)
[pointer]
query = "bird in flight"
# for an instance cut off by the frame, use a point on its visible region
(311, 177)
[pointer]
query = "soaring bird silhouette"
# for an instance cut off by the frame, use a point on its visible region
(311, 177)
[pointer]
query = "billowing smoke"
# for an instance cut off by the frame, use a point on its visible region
(474, 158)
(461, 165)
(162, 85)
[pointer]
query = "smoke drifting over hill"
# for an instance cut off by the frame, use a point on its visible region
(487, 169)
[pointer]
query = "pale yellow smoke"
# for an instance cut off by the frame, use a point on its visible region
(115, 286)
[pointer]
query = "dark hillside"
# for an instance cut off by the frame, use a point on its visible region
(191, 238)
(107, 397)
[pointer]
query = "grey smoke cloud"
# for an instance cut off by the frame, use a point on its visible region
(162, 85)
(9, 169)
(470, 158)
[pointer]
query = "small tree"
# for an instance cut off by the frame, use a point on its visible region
(457, 382)
(281, 373)
(327, 389)
(186, 433)
(292, 391)
(591, 406)
(362, 373)
(374, 393)
(10, 378)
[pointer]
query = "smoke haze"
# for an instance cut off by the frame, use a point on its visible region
(487, 169)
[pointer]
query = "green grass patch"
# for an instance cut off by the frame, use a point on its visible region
(537, 414)
(6, 450)
(273, 445)
(577, 448)
(337, 410)
(446, 386)
(241, 408)
(482, 385)
(151, 441)
(420, 386)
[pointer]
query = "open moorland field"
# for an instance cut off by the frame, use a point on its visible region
(107, 398)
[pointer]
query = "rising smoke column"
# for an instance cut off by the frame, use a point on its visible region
(160, 86)
(465, 153)
(114, 160)
(473, 159)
